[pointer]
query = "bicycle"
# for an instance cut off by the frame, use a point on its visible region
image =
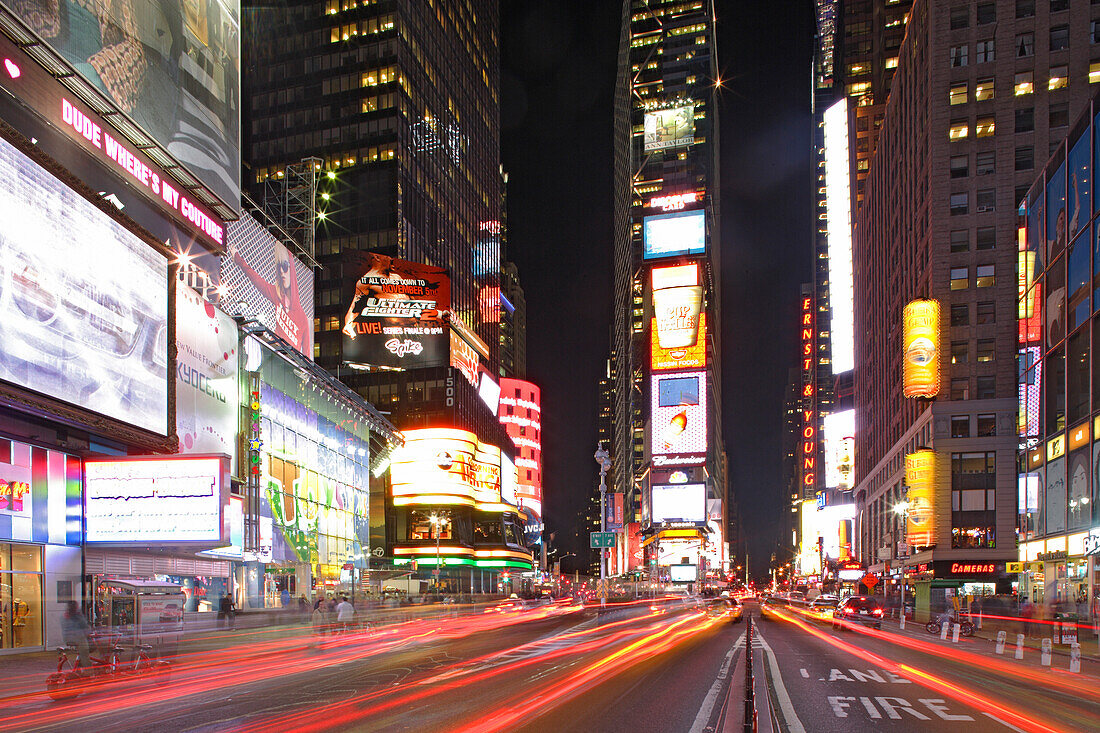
(64, 684)
(935, 626)
(143, 663)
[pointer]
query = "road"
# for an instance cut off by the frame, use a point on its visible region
(827, 680)
(633, 669)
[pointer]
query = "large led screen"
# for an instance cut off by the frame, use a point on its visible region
(395, 313)
(679, 503)
(172, 67)
(682, 573)
(678, 414)
(838, 203)
(83, 302)
(840, 447)
(672, 235)
(157, 500)
(445, 466)
(207, 403)
(669, 128)
(270, 282)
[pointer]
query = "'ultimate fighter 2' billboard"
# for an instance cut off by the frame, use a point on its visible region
(395, 319)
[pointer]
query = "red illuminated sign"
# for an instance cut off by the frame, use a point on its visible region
(673, 202)
(967, 568)
(808, 444)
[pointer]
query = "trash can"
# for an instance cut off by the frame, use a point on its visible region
(1065, 628)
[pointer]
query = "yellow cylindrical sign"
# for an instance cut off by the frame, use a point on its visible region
(920, 473)
(921, 338)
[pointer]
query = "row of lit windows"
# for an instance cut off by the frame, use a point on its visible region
(661, 12)
(332, 7)
(336, 161)
(1024, 83)
(368, 27)
(685, 29)
(1057, 116)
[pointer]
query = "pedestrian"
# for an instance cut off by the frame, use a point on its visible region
(225, 611)
(345, 612)
(319, 618)
(303, 608)
(75, 631)
(284, 599)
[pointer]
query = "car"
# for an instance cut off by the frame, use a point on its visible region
(770, 606)
(864, 610)
(822, 608)
(725, 607)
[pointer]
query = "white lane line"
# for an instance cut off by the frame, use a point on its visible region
(1010, 726)
(707, 707)
(794, 725)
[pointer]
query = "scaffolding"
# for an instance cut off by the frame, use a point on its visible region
(291, 199)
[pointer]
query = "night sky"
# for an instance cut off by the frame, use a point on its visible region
(558, 70)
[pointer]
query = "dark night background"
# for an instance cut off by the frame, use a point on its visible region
(558, 69)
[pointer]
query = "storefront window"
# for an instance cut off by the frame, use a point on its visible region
(1080, 509)
(1055, 504)
(427, 525)
(20, 596)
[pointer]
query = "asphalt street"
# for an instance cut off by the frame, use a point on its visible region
(821, 679)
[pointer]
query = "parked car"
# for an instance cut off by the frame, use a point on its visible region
(864, 610)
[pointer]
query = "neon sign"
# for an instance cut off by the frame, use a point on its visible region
(673, 202)
(808, 445)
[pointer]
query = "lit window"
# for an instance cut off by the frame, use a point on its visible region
(892, 62)
(1094, 72)
(857, 69)
(1059, 77)
(984, 127)
(983, 90)
(960, 278)
(986, 277)
(985, 350)
(959, 130)
(858, 88)
(1025, 82)
(959, 93)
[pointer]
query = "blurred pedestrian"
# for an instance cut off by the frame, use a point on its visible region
(304, 608)
(75, 631)
(225, 611)
(345, 612)
(319, 618)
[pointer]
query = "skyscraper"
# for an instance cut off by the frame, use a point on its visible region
(982, 91)
(666, 415)
(399, 102)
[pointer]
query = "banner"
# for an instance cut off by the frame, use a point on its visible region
(920, 478)
(669, 128)
(395, 317)
(921, 338)
(614, 516)
(207, 400)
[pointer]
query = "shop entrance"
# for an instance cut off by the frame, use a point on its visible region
(21, 596)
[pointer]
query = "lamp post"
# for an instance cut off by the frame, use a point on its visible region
(902, 510)
(604, 459)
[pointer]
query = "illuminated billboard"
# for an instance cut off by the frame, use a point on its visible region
(207, 401)
(173, 68)
(678, 504)
(672, 235)
(688, 357)
(920, 477)
(839, 433)
(271, 283)
(676, 312)
(521, 414)
(395, 316)
(838, 208)
(678, 415)
(675, 276)
(682, 573)
(445, 466)
(921, 340)
(83, 301)
(669, 128)
(146, 500)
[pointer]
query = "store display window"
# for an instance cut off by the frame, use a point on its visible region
(20, 596)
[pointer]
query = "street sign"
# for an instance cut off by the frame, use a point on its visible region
(1014, 567)
(870, 580)
(601, 539)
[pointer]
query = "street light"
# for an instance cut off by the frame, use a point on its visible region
(604, 459)
(902, 510)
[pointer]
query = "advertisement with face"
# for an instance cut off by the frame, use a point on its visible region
(679, 503)
(275, 286)
(673, 235)
(669, 128)
(156, 500)
(395, 315)
(678, 413)
(172, 67)
(840, 444)
(207, 403)
(84, 320)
